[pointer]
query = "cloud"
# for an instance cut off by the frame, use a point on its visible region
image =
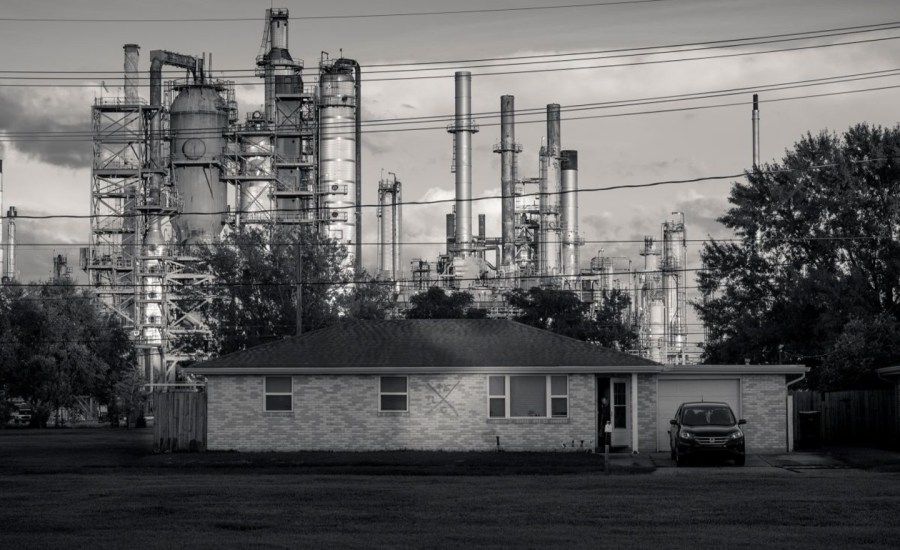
(51, 126)
(39, 241)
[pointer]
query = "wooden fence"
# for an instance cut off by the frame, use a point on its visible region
(180, 421)
(846, 418)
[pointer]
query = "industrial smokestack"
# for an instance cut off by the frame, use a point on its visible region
(550, 215)
(9, 273)
(1, 221)
(553, 130)
(755, 131)
(451, 232)
(508, 152)
(131, 72)
(569, 211)
(463, 128)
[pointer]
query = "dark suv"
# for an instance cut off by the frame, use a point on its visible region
(708, 429)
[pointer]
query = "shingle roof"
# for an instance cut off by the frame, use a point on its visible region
(423, 343)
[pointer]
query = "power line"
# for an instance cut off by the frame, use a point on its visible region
(534, 71)
(321, 17)
(824, 32)
(404, 203)
(644, 51)
(700, 179)
(74, 138)
(838, 238)
(539, 111)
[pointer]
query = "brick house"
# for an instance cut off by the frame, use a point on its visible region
(454, 384)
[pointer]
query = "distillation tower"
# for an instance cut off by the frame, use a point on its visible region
(389, 227)
(178, 171)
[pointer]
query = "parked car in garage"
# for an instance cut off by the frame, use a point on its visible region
(706, 429)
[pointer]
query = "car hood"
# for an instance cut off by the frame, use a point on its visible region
(711, 430)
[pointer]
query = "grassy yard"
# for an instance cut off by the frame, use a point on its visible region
(74, 497)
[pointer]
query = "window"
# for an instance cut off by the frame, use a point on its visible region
(559, 396)
(497, 396)
(392, 394)
(279, 393)
(528, 396)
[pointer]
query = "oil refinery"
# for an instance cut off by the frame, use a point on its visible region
(183, 165)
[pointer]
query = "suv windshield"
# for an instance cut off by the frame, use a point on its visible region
(707, 416)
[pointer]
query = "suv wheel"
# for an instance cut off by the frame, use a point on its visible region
(740, 461)
(679, 460)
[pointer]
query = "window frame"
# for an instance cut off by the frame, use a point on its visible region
(549, 396)
(267, 393)
(405, 394)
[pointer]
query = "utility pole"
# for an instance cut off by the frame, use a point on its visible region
(299, 290)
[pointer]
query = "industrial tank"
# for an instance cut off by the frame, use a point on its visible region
(337, 151)
(198, 118)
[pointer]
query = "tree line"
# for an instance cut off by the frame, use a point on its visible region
(812, 277)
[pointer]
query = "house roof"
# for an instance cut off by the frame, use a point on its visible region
(425, 345)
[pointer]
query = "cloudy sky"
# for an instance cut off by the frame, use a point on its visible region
(46, 175)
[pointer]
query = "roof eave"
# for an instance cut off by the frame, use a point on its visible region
(580, 369)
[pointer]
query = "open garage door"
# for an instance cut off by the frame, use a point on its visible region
(672, 392)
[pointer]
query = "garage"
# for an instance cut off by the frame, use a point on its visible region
(672, 392)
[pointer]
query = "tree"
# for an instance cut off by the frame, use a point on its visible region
(434, 303)
(254, 289)
(59, 344)
(814, 274)
(559, 311)
(613, 330)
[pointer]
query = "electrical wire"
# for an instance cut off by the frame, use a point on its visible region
(535, 111)
(535, 71)
(649, 50)
(699, 179)
(53, 138)
(572, 57)
(321, 17)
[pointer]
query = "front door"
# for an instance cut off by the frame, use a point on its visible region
(619, 412)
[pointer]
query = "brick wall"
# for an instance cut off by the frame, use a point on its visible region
(340, 412)
(647, 413)
(764, 406)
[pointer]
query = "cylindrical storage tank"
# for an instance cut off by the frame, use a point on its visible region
(569, 211)
(337, 152)
(198, 119)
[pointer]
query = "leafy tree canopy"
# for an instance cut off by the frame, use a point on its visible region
(254, 291)
(435, 303)
(562, 312)
(58, 344)
(814, 276)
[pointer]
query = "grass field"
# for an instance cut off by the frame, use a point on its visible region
(100, 489)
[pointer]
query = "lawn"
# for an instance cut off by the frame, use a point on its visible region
(80, 495)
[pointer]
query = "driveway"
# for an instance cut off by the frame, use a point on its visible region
(834, 458)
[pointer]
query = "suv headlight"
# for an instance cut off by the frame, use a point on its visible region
(737, 435)
(684, 434)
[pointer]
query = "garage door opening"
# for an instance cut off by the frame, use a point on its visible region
(672, 392)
